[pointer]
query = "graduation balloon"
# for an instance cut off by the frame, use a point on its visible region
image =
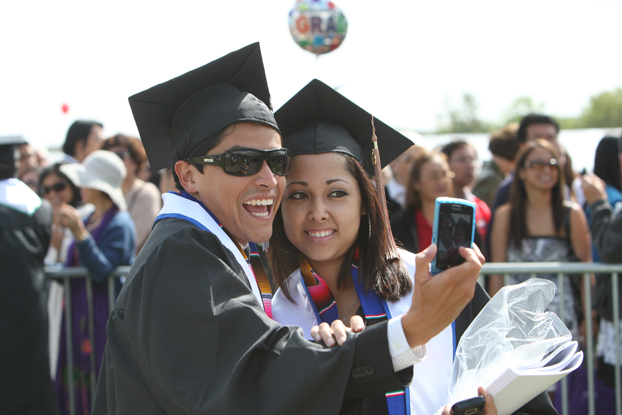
(317, 25)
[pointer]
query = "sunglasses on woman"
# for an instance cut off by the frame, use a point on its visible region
(539, 165)
(247, 161)
(57, 187)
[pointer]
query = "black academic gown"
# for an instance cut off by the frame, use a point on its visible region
(25, 383)
(187, 336)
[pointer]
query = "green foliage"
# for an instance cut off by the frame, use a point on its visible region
(520, 107)
(603, 111)
(464, 119)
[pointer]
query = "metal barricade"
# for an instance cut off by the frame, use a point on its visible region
(505, 269)
(66, 275)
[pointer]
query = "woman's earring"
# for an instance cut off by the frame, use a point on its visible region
(369, 226)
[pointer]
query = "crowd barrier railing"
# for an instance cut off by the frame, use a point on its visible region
(574, 270)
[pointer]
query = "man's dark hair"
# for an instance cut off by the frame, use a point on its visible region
(200, 149)
(503, 143)
(79, 131)
(532, 119)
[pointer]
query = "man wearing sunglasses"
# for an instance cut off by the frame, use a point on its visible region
(191, 330)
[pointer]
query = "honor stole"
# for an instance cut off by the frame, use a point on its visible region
(374, 308)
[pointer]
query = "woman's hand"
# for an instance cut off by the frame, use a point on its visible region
(336, 331)
(70, 217)
(56, 240)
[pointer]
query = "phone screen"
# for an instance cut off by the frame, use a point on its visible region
(455, 229)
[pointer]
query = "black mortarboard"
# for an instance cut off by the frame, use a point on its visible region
(7, 147)
(318, 119)
(178, 114)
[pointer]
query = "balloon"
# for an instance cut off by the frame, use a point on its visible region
(64, 108)
(317, 25)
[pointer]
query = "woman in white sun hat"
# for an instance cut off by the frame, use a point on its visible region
(103, 241)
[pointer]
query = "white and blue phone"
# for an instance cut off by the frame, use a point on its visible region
(454, 226)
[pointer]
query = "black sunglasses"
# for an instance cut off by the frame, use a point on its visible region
(57, 187)
(248, 161)
(539, 165)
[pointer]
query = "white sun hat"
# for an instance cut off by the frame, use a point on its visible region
(101, 170)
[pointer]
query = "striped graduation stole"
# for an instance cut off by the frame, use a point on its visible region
(377, 310)
(254, 262)
(374, 308)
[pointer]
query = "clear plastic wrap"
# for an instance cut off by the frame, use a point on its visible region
(512, 330)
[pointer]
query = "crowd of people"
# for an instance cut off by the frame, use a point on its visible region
(330, 261)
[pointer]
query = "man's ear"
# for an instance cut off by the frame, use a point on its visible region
(185, 171)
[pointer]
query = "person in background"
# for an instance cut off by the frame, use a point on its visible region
(27, 159)
(25, 225)
(395, 188)
(607, 167)
(143, 198)
(31, 178)
(606, 230)
(532, 127)
(537, 225)
(503, 145)
(167, 181)
(57, 189)
(103, 241)
(430, 178)
(461, 158)
(83, 137)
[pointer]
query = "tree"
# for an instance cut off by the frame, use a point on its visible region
(522, 106)
(603, 111)
(464, 119)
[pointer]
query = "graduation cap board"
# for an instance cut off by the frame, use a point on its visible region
(7, 147)
(318, 119)
(175, 116)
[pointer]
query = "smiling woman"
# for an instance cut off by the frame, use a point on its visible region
(329, 250)
(539, 226)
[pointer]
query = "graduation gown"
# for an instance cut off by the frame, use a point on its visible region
(431, 376)
(25, 383)
(188, 336)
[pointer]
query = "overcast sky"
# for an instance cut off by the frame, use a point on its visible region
(401, 60)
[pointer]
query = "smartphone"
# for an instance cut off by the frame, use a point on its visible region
(454, 226)
(473, 406)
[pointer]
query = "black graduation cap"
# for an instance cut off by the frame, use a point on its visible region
(318, 119)
(178, 114)
(7, 147)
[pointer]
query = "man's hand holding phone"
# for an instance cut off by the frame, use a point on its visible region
(437, 300)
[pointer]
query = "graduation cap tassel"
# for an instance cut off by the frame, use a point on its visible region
(375, 159)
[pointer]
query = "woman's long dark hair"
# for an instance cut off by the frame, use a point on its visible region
(607, 162)
(518, 195)
(386, 276)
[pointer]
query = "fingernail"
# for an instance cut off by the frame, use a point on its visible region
(330, 341)
(316, 337)
(342, 339)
